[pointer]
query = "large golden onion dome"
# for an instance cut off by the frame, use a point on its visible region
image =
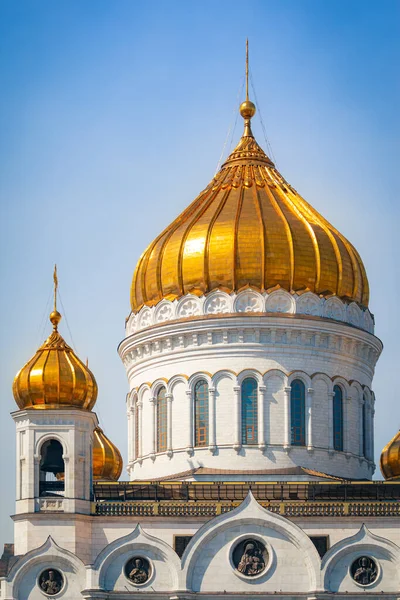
(249, 227)
(390, 459)
(55, 377)
(107, 459)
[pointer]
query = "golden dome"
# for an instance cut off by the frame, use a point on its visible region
(55, 377)
(107, 460)
(390, 458)
(248, 228)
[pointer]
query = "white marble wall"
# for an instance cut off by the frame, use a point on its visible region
(274, 350)
(293, 566)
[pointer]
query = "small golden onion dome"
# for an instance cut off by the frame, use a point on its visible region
(390, 459)
(55, 377)
(107, 459)
(248, 228)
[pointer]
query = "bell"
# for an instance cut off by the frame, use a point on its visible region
(52, 461)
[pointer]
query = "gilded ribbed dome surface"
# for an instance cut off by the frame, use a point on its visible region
(249, 227)
(107, 459)
(55, 377)
(390, 458)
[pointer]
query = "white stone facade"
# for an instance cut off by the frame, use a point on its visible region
(73, 428)
(223, 348)
(293, 568)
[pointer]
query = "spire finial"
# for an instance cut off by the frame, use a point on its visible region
(55, 316)
(247, 69)
(247, 108)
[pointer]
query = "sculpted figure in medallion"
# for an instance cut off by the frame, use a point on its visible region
(364, 570)
(137, 570)
(51, 582)
(252, 561)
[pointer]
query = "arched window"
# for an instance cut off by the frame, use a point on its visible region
(161, 420)
(52, 468)
(201, 413)
(338, 418)
(364, 428)
(298, 413)
(249, 411)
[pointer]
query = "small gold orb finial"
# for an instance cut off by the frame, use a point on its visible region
(247, 109)
(55, 318)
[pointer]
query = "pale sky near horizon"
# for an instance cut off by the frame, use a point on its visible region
(113, 116)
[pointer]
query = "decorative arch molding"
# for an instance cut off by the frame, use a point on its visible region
(357, 387)
(62, 558)
(219, 302)
(199, 376)
(249, 373)
(175, 380)
(322, 377)
(275, 373)
(142, 389)
(252, 513)
(363, 542)
(136, 541)
(216, 378)
(343, 383)
(45, 437)
(161, 382)
(306, 379)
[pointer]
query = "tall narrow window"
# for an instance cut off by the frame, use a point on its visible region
(249, 411)
(298, 413)
(338, 418)
(161, 420)
(364, 428)
(201, 413)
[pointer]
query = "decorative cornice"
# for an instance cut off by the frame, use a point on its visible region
(251, 301)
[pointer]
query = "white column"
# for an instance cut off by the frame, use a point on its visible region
(286, 419)
(360, 420)
(139, 423)
(153, 402)
(330, 439)
(262, 425)
(372, 433)
(169, 398)
(211, 421)
(309, 420)
(346, 421)
(238, 418)
(190, 424)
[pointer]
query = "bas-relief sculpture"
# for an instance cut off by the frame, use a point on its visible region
(137, 570)
(51, 581)
(364, 570)
(249, 557)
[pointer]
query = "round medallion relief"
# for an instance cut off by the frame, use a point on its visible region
(250, 557)
(138, 570)
(51, 581)
(364, 570)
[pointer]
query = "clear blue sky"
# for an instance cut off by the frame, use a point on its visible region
(113, 116)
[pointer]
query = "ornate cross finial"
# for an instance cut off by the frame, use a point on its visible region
(55, 316)
(247, 108)
(247, 69)
(55, 279)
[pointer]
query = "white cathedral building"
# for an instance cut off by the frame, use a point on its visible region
(250, 354)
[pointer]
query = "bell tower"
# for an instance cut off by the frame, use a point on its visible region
(55, 393)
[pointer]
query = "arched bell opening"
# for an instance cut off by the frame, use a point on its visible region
(51, 469)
